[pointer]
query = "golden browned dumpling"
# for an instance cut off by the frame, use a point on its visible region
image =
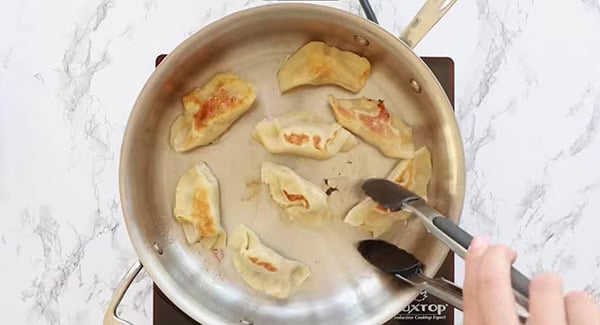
(210, 110)
(316, 63)
(302, 201)
(371, 121)
(304, 134)
(197, 207)
(413, 174)
(264, 269)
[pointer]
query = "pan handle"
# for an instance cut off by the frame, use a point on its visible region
(369, 13)
(110, 316)
(431, 12)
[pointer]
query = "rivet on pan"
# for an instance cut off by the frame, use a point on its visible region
(246, 322)
(415, 85)
(361, 40)
(157, 248)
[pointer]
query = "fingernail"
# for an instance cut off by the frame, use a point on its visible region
(477, 243)
(581, 296)
(589, 297)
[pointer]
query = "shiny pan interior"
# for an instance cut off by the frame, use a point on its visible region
(343, 288)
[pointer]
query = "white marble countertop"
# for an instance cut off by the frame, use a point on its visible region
(528, 105)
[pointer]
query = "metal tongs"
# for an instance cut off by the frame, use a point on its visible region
(394, 197)
(405, 266)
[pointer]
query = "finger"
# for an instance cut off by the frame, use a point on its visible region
(496, 299)
(472, 316)
(581, 309)
(546, 302)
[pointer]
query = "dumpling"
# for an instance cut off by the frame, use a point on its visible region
(197, 207)
(302, 133)
(316, 63)
(210, 110)
(262, 268)
(301, 200)
(413, 174)
(372, 122)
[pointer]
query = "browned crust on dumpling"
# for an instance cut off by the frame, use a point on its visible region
(317, 142)
(210, 110)
(297, 139)
(297, 197)
(407, 177)
(217, 105)
(380, 123)
(202, 214)
(316, 63)
(370, 120)
(265, 265)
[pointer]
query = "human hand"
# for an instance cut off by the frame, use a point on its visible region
(489, 298)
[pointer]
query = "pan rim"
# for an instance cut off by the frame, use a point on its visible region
(143, 250)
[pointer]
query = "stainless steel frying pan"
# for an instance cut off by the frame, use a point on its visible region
(343, 288)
